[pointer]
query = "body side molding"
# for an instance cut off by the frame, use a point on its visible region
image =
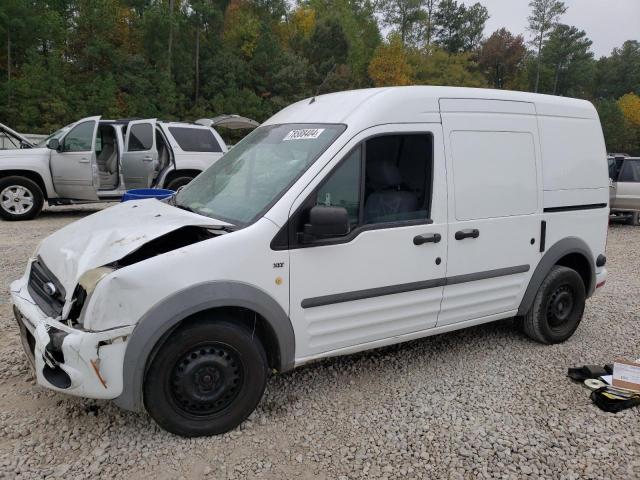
(563, 247)
(165, 315)
(410, 287)
(572, 208)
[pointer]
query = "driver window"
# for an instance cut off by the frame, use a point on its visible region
(80, 138)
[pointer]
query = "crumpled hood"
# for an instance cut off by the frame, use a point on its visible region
(109, 235)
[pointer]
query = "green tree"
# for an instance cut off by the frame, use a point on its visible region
(619, 73)
(460, 28)
(567, 53)
(544, 17)
(405, 17)
(613, 125)
(450, 19)
(475, 19)
(439, 67)
(429, 21)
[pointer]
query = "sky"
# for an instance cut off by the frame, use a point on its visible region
(608, 23)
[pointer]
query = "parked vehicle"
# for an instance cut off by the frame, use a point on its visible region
(10, 139)
(624, 175)
(345, 222)
(95, 160)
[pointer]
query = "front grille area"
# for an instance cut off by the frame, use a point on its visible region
(50, 300)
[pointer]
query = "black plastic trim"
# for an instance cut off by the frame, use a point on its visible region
(410, 287)
(571, 208)
(499, 272)
(543, 235)
(551, 257)
(601, 261)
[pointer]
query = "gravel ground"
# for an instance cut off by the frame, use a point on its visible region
(481, 403)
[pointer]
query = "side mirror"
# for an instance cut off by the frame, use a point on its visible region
(54, 144)
(326, 222)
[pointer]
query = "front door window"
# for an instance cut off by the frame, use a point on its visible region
(80, 138)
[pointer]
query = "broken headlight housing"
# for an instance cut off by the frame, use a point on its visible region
(86, 285)
(90, 279)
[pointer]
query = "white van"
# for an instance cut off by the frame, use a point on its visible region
(346, 222)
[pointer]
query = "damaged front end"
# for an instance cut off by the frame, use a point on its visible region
(69, 359)
(71, 350)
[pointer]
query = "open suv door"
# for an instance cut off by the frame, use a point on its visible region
(140, 158)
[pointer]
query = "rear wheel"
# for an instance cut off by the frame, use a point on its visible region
(20, 198)
(206, 379)
(178, 182)
(557, 308)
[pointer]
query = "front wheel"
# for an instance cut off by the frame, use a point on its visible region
(206, 379)
(20, 198)
(557, 308)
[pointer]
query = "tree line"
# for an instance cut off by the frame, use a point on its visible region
(184, 59)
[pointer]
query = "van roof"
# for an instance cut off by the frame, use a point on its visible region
(375, 106)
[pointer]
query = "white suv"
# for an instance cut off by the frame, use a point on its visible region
(345, 222)
(96, 160)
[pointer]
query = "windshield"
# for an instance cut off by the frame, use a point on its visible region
(254, 173)
(57, 134)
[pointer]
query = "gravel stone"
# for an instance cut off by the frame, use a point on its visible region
(485, 402)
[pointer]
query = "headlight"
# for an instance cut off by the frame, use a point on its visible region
(90, 279)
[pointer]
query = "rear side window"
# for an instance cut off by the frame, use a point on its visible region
(141, 138)
(494, 174)
(195, 139)
(630, 171)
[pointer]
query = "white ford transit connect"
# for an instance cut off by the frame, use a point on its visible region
(345, 222)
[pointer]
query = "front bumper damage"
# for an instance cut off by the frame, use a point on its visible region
(66, 359)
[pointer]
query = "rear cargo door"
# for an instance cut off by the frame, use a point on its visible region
(140, 158)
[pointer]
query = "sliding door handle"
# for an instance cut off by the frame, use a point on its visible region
(422, 239)
(471, 233)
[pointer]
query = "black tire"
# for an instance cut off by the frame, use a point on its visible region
(20, 198)
(178, 182)
(634, 219)
(206, 379)
(557, 308)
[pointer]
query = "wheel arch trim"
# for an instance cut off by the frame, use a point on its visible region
(560, 249)
(167, 314)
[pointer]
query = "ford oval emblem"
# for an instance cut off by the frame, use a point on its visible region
(50, 288)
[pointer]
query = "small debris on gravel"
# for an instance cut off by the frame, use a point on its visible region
(485, 402)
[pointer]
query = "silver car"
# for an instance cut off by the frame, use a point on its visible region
(624, 173)
(97, 160)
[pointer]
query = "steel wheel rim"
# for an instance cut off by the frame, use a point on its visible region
(206, 379)
(560, 307)
(16, 199)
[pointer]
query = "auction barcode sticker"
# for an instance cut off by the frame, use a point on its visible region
(303, 134)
